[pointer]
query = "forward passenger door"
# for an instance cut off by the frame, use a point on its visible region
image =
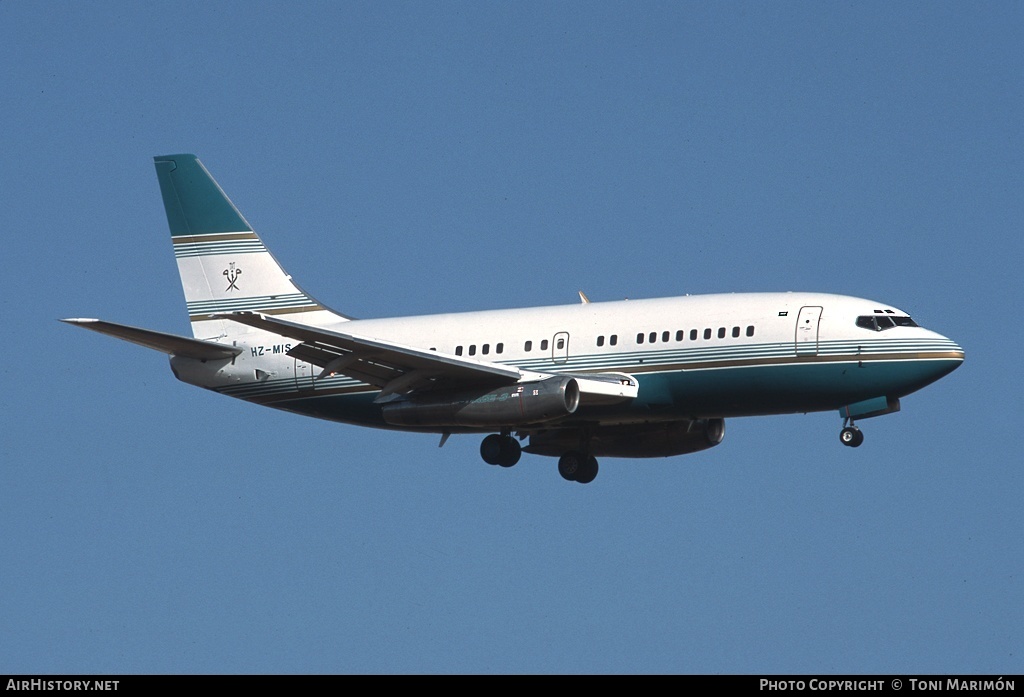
(807, 330)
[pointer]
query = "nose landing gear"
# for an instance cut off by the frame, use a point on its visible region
(851, 435)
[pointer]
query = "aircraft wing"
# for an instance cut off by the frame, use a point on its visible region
(171, 344)
(392, 367)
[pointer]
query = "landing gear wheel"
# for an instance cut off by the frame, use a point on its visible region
(588, 472)
(851, 436)
(500, 450)
(510, 451)
(570, 465)
(490, 449)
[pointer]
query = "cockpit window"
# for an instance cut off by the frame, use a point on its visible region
(878, 323)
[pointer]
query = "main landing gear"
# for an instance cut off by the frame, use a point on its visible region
(501, 450)
(850, 435)
(504, 450)
(577, 467)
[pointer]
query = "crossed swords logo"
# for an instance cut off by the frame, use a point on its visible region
(232, 275)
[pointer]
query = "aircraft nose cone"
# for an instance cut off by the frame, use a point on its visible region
(946, 356)
(955, 350)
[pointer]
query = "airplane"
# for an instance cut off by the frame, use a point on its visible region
(623, 379)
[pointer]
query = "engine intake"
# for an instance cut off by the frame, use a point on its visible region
(515, 405)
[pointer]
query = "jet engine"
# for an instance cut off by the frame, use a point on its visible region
(514, 405)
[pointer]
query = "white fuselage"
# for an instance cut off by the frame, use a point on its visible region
(694, 356)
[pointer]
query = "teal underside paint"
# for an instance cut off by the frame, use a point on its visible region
(733, 392)
(797, 388)
(194, 203)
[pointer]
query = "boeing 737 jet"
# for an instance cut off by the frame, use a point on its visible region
(629, 379)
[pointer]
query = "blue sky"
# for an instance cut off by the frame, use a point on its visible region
(408, 158)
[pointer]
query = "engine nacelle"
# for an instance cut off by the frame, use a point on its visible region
(647, 440)
(515, 405)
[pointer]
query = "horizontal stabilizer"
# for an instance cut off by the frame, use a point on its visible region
(171, 344)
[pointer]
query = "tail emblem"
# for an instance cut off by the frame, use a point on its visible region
(232, 275)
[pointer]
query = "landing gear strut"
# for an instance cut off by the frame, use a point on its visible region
(851, 435)
(501, 450)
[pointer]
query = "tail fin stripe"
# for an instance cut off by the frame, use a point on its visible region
(273, 305)
(195, 249)
(280, 311)
(215, 237)
(267, 301)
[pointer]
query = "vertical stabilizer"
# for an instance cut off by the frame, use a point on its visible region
(223, 264)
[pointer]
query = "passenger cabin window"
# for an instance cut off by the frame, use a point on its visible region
(664, 336)
(640, 338)
(693, 335)
(679, 335)
(735, 332)
(561, 343)
(600, 341)
(499, 348)
(472, 349)
(544, 345)
(750, 330)
(721, 332)
(653, 337)
(485, 349)
(528, 347)
(613, 339)
(458, 350)
(707, 333)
